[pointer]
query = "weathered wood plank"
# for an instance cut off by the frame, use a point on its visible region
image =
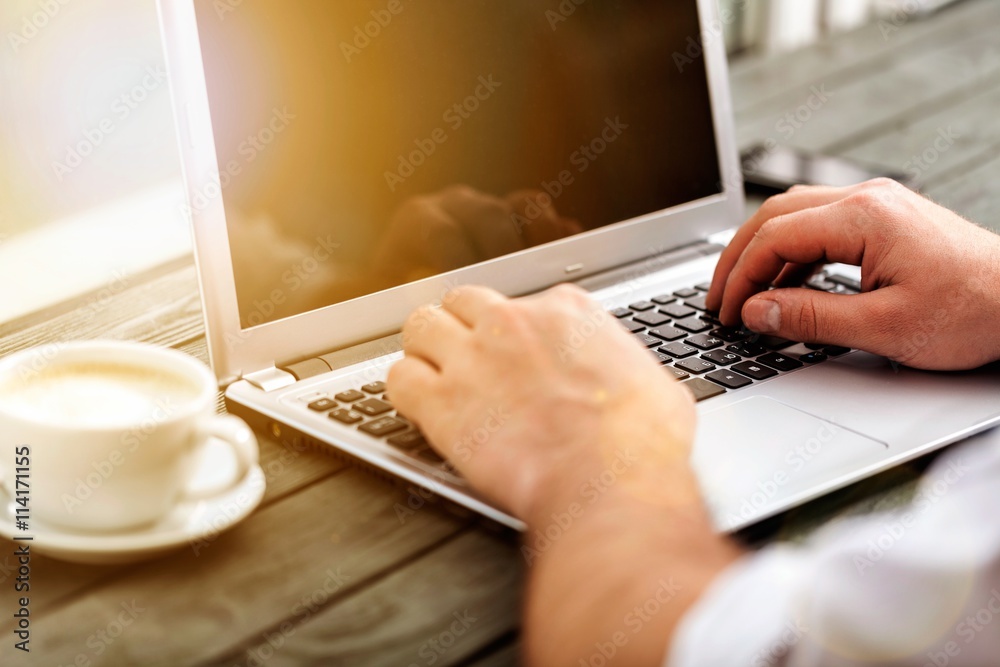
(508, 656)
(316, 545)
(857, 54)
(941, 146)
(976, 194)
(437, 610)
(829, 115)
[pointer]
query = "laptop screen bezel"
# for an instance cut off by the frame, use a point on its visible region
(236, 352)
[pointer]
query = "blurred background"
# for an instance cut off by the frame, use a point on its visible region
(90, 191)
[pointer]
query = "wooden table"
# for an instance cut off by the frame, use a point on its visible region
(325, 572)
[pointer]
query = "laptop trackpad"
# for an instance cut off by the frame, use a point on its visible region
(759, 455)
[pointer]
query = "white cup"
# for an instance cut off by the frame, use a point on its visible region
(113, 430)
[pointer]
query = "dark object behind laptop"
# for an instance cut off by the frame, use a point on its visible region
(773, 170)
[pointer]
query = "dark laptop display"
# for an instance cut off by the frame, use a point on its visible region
(365, 144)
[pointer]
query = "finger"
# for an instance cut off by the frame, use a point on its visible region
(486, 219)
(414, 385)
(470, 303)
(824, 234)
(811, 316)
(794, 275)
(432, 334)
(796, 199)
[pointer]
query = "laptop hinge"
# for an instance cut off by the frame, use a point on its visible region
(270, 379)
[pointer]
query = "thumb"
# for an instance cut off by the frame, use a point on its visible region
(809, 316)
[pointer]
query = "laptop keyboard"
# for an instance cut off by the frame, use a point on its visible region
(711, 359)
(687, 339)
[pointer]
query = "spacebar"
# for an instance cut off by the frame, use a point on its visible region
(703, 389)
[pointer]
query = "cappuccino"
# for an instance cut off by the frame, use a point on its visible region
(96, 394)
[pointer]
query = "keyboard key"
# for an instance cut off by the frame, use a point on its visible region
(374, 388)
(648, 341)
(814, 346)
(835, 350)
(729, 380)
(813, 358)
(730, 334)
(663, 358)
(678, 311)
(410, 440)
(428, 455)
(346, 416)
(693, 324)
(631, 326)
(679, 350)
(697, 302)
(695, 366)
(652, 319)
(349, 396)
(373, 407)
(678, 374)
(704, 287)
(668, 333)
(722, 358)
(820, 283)
(384, 426)
(849, 283)
(664, 299)
(746, 349)
(621, 312)
(642, 306)
(322, 405)
(754, 370)
(773, 342)
(704, 342)
(686, 293)
(703, 389)
(779, 362)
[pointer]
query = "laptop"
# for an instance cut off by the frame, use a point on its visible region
(348, 161)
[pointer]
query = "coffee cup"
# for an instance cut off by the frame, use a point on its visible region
(105, 436)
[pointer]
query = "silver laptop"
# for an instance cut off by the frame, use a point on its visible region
(349, 161)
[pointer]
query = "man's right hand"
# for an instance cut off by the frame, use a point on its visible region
(930, 279)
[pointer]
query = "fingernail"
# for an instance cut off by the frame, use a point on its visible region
(762, 316)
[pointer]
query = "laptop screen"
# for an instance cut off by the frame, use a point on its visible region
(366, 144)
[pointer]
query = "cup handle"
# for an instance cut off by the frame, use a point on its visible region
(234, 432)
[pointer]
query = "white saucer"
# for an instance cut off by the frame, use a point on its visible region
(195, 524)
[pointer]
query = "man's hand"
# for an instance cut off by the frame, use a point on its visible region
(930, 279)
(554, 412)
(531, 398)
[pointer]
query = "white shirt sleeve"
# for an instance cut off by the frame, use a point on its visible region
(917, 587)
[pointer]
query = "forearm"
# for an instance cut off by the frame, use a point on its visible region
(615, 578)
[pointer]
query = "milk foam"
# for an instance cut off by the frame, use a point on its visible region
(97, 395)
